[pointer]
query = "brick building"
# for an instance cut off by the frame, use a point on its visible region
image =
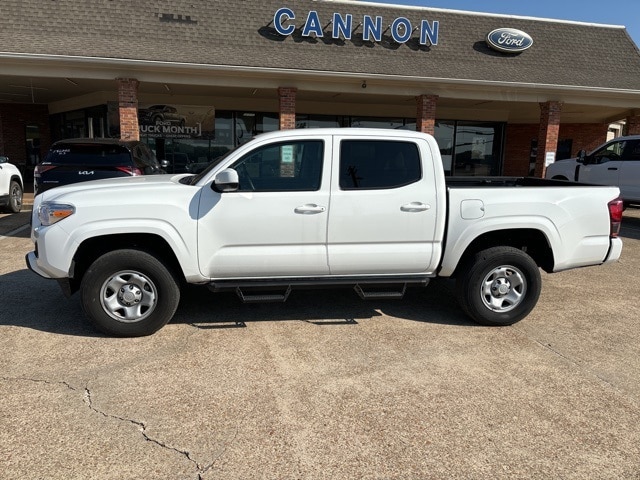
(195, 79)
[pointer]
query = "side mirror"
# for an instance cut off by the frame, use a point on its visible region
(582, 154)
(226, 181)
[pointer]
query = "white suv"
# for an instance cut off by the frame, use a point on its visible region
(616, 163)
(11, 186)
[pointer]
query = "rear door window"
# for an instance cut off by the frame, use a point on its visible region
(632, 150)
(378, 164)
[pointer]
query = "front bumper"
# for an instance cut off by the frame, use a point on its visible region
(32, 264)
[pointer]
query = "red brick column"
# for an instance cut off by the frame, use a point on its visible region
(128, 101)
(548, 134)
(426, 114)
(633, 125)
(287, 107)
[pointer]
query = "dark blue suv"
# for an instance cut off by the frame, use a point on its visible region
(82, 159)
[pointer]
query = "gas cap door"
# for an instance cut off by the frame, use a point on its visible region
(471, 209)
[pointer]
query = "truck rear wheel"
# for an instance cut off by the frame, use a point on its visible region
(129, 293)
(499, 286)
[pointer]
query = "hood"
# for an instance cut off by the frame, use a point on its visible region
(114, 187)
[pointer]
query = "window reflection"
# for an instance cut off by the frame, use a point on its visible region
(467, 148)
(477, 149)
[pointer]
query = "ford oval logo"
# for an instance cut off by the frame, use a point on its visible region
(509, 40)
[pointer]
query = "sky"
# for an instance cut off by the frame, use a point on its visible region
(617, 12)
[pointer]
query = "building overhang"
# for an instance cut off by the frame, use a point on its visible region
(61, 79)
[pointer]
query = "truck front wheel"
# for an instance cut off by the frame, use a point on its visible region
(499, 286)
(129, 293)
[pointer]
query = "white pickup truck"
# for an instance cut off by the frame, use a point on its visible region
(616, 163)
(306, 208)
(11, 186)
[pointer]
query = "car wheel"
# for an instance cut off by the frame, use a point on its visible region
(499, 286)
(129, 293)
(15, 197)
(560, 177)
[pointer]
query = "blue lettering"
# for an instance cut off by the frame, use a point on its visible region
(283, 15)
(429, 32)
(341, 25)
(371, 28)
(312, 25)
(401, 28)
(399, 24)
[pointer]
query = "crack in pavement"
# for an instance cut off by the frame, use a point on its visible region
(39, 380)
(88, 401)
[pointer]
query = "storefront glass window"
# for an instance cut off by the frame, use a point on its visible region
(250, 124)
(377, 122)
(318, 121)
(230, 130)
(477, 149)
(444, 135)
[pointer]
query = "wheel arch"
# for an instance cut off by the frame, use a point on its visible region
(94, 247)
(531, 241)
(17, 178)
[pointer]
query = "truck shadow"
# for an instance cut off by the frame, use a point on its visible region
(327, 307)
(31, 302)
(631, 224)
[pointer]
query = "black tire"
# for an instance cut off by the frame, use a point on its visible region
(560, 177)
(499, 286)
(15, 197)
(129, 293)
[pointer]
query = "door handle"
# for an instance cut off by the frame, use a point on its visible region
(309, 209)
(415, 207)
(612, 168)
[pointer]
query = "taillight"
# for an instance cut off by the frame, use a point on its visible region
(130, 170)
(616, 208)
(40, 169)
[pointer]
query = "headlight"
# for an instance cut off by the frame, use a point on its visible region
(50, 213)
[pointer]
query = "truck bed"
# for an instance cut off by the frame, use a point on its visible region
(475, 182)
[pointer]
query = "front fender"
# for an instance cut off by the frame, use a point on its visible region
(182, 241)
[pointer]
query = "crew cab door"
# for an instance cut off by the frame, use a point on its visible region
(602, 167)
(630, 171)
(275, 224)
(383, 207)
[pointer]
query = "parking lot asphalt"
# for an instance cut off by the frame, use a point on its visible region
(325, 386)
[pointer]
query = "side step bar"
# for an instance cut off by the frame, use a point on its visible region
(379, 294)
(263, 297)
(279, 289)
